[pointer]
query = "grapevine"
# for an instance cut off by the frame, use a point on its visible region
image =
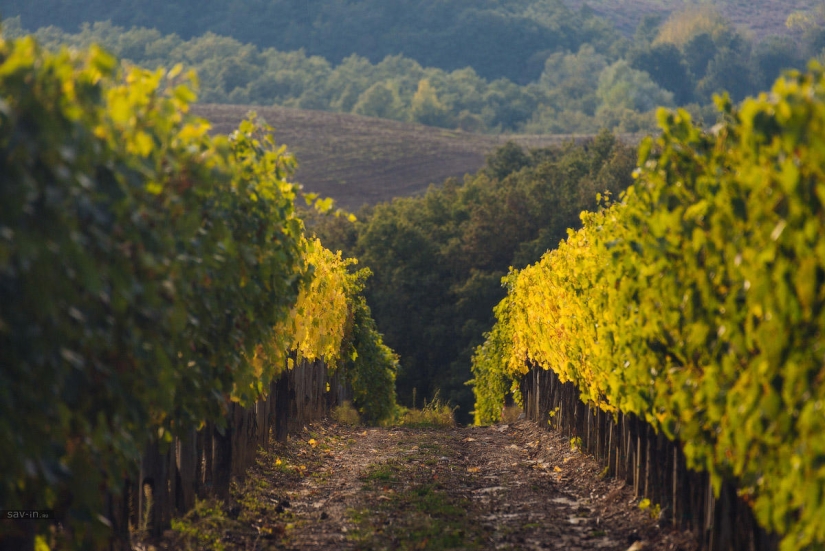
(697, 302)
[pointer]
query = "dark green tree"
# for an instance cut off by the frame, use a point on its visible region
(647, 30)
(774, 55)
(666, 66)
(729, 71)
(698, 52)
(438, 259)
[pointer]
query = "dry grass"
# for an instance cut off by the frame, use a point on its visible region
(346, 414)
(510, 414)
(433, 415)
(761, 17)
(363, 160)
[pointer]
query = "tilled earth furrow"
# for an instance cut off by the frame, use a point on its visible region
(502, 487)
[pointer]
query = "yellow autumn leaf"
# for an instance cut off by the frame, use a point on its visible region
(142, 144)
(192, 131)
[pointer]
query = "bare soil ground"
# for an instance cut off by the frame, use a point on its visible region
(761, 17)
(363, 160)
(503, 487)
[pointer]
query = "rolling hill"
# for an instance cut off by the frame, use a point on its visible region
(363, 160)
(761, 17)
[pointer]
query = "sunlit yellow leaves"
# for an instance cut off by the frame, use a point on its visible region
(100, 64)
(805, 282)
(179, 254)
(141, 144)
(319, 318)
(193, 131)
(120, 109)
(697, 303)
(323, 205)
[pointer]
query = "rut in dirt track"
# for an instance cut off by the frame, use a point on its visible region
(503, 487)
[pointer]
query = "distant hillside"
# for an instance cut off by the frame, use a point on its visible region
(497, 38)
(763, 17)
(563, 81)
(363, 160)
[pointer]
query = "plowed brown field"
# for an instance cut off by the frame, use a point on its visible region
(362, 160)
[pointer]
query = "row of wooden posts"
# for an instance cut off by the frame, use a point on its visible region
(632, 451)
(203, 463)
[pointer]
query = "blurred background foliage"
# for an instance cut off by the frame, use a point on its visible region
(530, 66)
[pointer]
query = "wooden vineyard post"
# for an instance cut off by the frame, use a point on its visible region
(186, 455)
(610, 472)
(262, 418)
(676, 510)
(208, 434)
(154, 489)
(637, 465)
(632, 450)
(222, 460)
(282, 407)
(648, 490)
(117, 510)
(239, 421)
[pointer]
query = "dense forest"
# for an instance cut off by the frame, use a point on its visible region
(438, 259)
(449, 34)
(530, 67)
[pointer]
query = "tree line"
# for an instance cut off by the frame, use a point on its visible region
(438, 259)
(498, 39)
(598, 79)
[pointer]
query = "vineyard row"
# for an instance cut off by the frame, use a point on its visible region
(695, 304)
(155, 283)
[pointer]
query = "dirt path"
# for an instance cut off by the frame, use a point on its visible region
(504, 487)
